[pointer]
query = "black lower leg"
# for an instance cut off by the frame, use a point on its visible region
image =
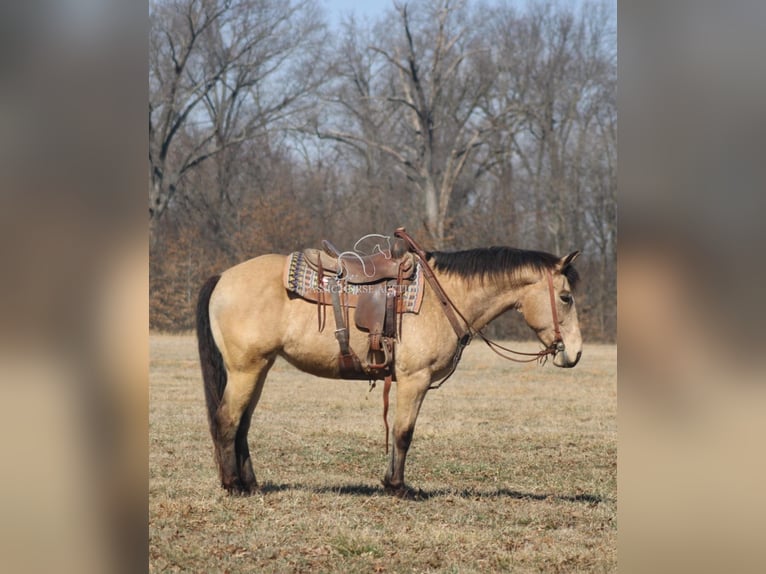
(244, 464)
(394, 479)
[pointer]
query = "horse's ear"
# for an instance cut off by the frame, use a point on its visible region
(565, 262)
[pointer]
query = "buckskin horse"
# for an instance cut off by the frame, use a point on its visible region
(246, 318)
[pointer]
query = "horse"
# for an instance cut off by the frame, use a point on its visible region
(246, 319)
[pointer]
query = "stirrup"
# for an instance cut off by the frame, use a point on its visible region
(386, 355)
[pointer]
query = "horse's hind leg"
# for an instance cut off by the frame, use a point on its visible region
(242, 450)
(243, 390)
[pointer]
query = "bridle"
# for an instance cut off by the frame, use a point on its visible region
(465, 333)
(556, 346)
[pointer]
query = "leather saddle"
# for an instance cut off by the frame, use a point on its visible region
(395, 262)
(372, 283)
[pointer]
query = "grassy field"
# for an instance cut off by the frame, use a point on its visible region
(517, 465)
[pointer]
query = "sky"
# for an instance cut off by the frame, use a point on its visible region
(338, 9)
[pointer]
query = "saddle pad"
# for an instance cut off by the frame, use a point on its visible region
(301, 279)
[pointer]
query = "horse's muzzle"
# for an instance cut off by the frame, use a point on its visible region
(562, 359)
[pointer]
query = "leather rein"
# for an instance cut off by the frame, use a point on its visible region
(466, 333)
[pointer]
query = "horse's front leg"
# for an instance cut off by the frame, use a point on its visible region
(410, 392)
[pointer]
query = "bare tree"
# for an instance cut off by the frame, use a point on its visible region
(555, 151)
(221, 73)
(423, 109)
(561, 66)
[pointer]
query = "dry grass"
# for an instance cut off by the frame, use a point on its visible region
(517, 464)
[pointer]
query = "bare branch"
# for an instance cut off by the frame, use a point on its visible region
(356, 140)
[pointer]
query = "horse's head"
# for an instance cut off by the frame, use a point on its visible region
(551, 297)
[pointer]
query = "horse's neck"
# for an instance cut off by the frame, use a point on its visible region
(481, 302)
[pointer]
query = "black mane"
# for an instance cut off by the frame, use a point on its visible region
(490, 262)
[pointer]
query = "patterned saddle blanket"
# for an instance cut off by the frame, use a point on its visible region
(303, 279)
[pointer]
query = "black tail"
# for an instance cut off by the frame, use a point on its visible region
(211, 361)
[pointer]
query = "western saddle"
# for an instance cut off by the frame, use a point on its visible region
(391, 263)
(372, 283)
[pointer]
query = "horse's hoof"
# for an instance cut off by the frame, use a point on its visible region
(406, 493)
(250, 487)
(402, 492)
(236, 488)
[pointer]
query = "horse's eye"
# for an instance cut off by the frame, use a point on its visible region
(566, 297)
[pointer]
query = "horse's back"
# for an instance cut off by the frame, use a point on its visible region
(246, 307)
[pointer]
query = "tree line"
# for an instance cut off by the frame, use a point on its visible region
(469, 123)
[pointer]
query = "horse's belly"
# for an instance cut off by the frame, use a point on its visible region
(312, 362)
